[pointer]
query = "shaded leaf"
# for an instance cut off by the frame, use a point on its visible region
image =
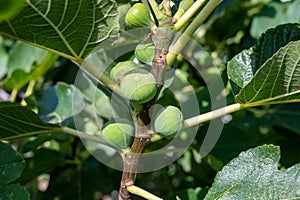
(35, 63)
(9, 9)
(59, 103)
(274, 14)
(244, 65)
(14, 192)
(24, 56)
(43, 161)
(277, 80)
(254, 174)
(80, 181)
(70, 28)
(284, 115)
(16, 120)
(190, 194)
(3, 58)
(11, 164)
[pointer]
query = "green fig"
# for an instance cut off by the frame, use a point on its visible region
(138, 86)
(168, 121)
(120, 69)
(118, 132)
(138, 16)
(144, 52)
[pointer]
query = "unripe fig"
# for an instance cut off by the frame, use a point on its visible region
(168, 121)
(118, 132)
(138, 16)
(120, 69)
(145, 52)
(138, 86)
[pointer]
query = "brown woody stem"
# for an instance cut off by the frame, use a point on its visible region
(161, 38)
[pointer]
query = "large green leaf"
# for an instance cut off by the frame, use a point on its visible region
(243, 66)
(16, 121)
(277, 80)
(71, 28)
(254, 174)
(11, 164)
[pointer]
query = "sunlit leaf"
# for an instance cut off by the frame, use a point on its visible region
(278, 80)
(69, 28)
(244, 65)
(254, 174)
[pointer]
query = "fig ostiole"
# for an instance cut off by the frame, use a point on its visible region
(138, 16)
(168, 121)
(144, 52)
(138, 86)
(120, 69)
(118, 133)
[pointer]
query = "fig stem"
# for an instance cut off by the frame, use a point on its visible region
(176, 48)
(158, 13)
(193, 121)
(161, 38)
(188, 14)
(100, 76)
(13, 95)
(142, 193)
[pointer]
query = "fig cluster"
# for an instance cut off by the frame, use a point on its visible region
(139, 86)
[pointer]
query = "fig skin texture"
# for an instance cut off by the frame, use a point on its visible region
(138, 86)
(120, 69)
(119, 133)
(138, 16)
(168, 121)
(144, 52)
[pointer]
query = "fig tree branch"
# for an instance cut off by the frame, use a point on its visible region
(184, 38)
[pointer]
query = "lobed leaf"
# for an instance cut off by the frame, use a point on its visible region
(254, 174)
(70, 28)
(243, 66)
(278, 79)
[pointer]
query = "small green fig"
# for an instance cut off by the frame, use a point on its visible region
(118, 132)
(138, 16)
(138, 86)
(120, 69)
(144, 52)
(168, 121)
